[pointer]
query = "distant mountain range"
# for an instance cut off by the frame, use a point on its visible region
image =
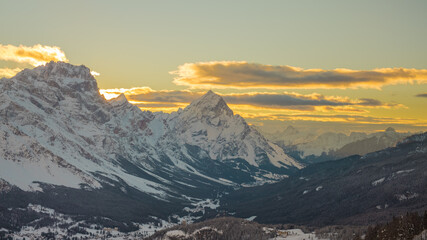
(310, 147)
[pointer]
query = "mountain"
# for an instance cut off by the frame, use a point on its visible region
(311, 147)
(291, 136)
(64, 146)
(357, 190)
(211, 125)
(372, 142)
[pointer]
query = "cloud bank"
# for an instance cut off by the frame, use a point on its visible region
(146, 97)
(36, 55)
(9, 72)
(337, 118)
(251, 75)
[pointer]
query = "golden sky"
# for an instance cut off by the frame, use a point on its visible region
(330, 65)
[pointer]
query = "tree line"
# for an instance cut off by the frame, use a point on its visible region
(403, 227)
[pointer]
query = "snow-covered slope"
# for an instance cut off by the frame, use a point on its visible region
(57, 129)
(211, 125)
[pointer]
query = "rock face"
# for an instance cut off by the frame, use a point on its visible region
(57, 130)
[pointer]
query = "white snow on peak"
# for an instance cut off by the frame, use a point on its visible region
(209, 105)
(120, 100)
(210, 124)
(62, 69)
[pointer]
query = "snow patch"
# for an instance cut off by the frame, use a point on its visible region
(379, 181)
(294, 234)
(176, 234)
(404, 171)
(406, 196)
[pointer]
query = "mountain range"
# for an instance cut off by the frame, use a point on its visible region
(309, 147)
(69, 155)
(60, 137)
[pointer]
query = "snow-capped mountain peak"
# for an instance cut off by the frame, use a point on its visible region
(118, 101)
(54, 76)
(290, 130)
(209, 105)
(60, 70)
(390, 129)
(210, 124)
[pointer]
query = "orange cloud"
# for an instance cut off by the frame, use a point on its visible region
(147, 98)
(36, 55)
(253, 111)
(153, 100)
(337, 118)
(252, 75)
(8, 72)
(148, 94)
(292, 100)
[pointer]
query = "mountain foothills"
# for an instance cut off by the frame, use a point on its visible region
(357, 190)
(64, 145)
(71, 159)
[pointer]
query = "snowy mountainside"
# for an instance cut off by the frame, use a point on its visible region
(211, 125)
(58, 132)
(55, 124)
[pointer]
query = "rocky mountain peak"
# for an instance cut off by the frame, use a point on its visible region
(118, 101)
(61, 69)
(211, 125)
(61, 76)
(209, 104)
(390, 129)
(290, 130)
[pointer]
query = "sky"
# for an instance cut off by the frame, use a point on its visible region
(329, 65)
